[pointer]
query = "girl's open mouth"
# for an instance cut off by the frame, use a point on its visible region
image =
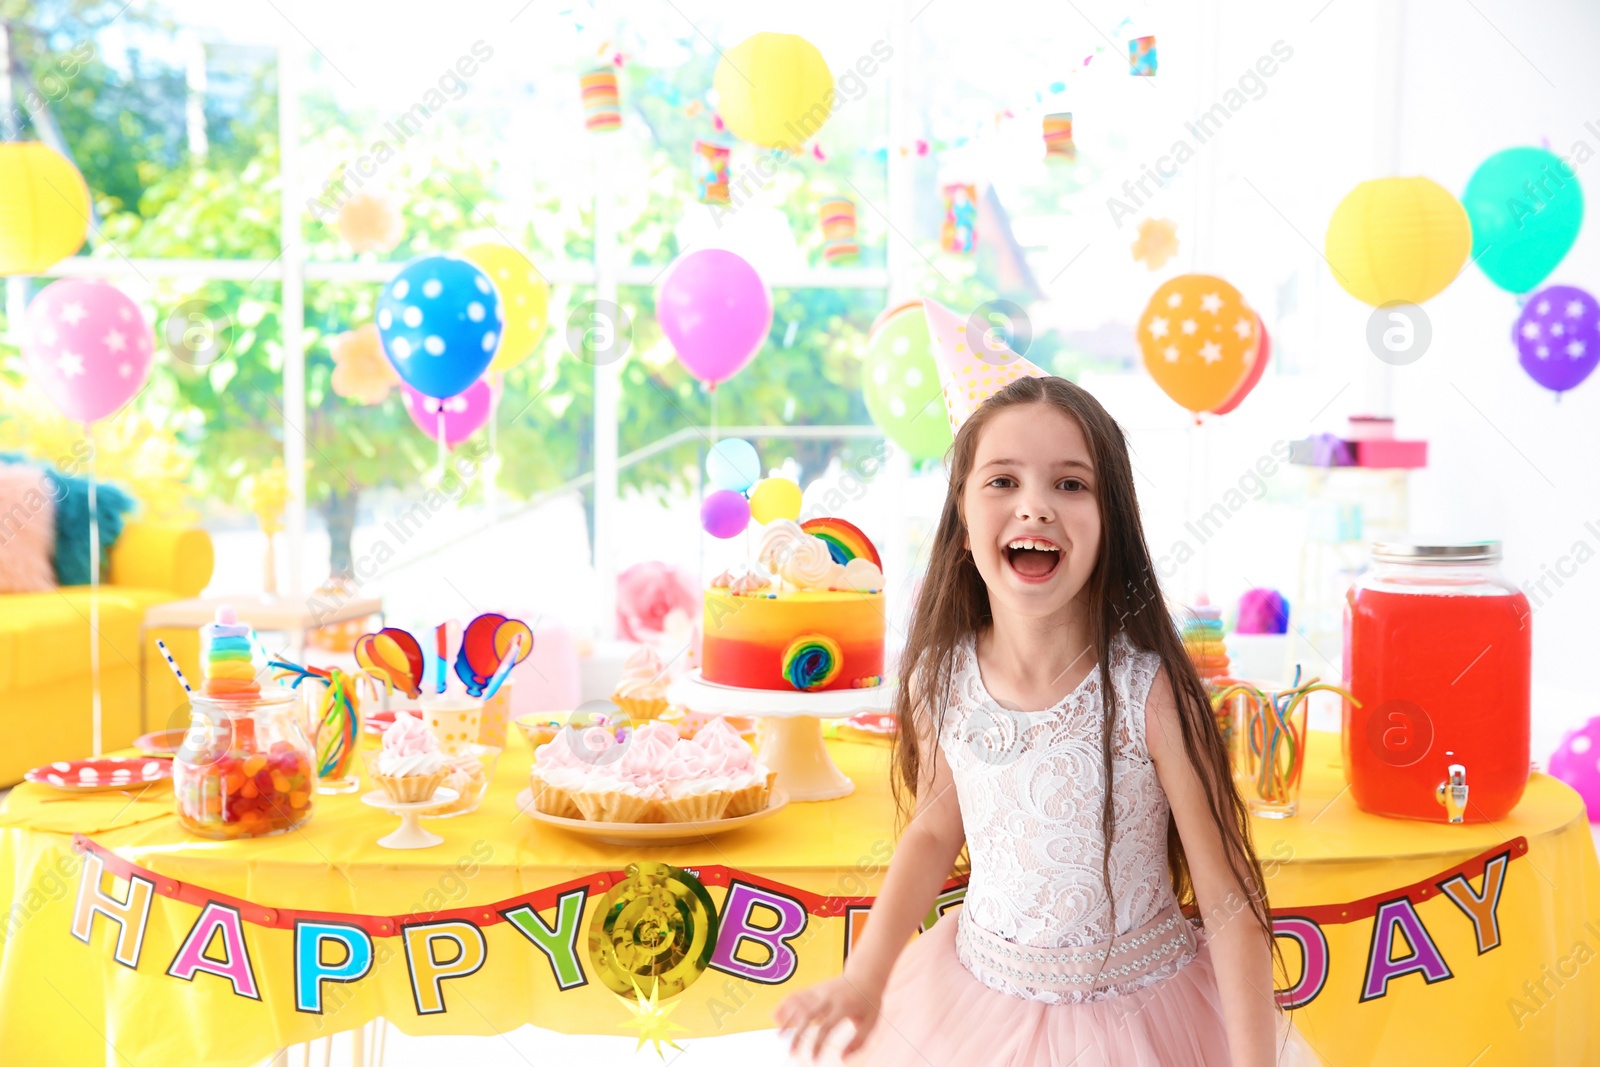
(1032, 559)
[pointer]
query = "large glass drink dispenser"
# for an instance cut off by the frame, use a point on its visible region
(1437, 652)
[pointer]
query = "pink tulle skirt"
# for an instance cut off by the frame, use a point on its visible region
(936, 1014)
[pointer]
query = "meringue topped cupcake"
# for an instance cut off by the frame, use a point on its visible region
(642, 690)
(408, 767)
(729, 756)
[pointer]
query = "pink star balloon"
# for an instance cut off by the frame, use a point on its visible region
(88, 346)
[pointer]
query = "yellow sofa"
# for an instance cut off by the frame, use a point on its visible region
(45, 690)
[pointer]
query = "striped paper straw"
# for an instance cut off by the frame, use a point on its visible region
(167, 655)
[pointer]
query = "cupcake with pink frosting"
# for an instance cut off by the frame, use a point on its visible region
(730, 756)
(562, 768)
(408, 767)
(642, 690)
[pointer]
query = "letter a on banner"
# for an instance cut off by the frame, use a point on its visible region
(220, 922)
(1400, 916)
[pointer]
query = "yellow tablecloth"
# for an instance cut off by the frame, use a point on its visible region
(1518, 988)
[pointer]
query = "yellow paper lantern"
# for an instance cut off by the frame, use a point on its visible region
(774, 89)
(44, 208)
(1397, 239)
(524, 299)
(774, 498)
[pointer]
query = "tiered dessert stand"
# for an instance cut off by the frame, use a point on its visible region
(791, 727)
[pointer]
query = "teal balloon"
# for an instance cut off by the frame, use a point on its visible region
(1526, 206)
(733, 464)
(900, 383)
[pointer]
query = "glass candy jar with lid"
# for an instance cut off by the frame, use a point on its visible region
(245, 767)
(1437, 654)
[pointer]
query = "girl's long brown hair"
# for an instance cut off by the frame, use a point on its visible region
(1122, 592)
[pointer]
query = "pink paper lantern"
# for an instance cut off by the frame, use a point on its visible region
(88, 346)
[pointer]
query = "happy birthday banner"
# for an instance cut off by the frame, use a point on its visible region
(655, 930)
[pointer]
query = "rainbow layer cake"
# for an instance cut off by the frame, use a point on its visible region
(810, 617)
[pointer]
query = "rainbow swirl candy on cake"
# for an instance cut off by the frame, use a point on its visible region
(812, 661)
(845, 540)
(228, 658)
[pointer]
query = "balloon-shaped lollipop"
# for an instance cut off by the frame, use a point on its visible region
(394, 654)
(485, 642)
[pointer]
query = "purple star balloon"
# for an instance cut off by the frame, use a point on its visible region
(1558, 336)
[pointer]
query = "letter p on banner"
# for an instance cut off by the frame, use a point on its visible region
(423, 945)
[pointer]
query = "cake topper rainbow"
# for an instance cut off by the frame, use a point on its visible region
(845, 540)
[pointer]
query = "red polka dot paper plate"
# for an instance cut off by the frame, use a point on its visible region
(95, 775)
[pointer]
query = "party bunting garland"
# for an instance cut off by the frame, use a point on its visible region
(820, 905)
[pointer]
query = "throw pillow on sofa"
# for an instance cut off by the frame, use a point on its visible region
(71, 498)
(27, 531)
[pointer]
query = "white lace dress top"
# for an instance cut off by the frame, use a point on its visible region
(1031, 786)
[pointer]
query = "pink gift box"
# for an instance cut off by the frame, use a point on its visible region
(1391, 454)
(1370, 428)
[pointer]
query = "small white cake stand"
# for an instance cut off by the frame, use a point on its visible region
(791, 727)
(411, 834)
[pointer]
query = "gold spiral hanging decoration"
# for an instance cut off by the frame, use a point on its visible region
(655, 929)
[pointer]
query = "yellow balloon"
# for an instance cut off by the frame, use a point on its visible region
(774, 498)
(44, 208)
(1397, 239)
(774, 89)
(524, 300)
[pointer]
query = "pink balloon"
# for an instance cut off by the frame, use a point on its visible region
(464, 413)
(716, 311)
(725, 514)
(88, 346)
(1576, 761)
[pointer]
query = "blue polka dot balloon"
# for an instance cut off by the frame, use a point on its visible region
(440, 321)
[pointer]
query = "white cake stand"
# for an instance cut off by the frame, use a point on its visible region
(411, 834)
(791, 727)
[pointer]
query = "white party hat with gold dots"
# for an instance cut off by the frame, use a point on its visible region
(974, 366)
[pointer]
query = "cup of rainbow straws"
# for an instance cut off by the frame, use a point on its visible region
(331, 704)
(1268, 732)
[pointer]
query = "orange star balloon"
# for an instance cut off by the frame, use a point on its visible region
(1157, 242)
(1199, 338)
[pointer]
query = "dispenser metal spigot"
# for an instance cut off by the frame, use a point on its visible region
(1452, 793)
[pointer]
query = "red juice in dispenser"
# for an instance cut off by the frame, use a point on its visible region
(1438, 650)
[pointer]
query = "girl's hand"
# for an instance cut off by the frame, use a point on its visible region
(826, 1005)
